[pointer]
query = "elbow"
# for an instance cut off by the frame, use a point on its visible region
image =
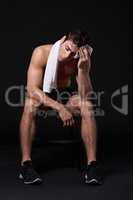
(37, 94)
(31, 91)
(34, 93)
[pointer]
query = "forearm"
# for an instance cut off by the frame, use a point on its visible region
(84, 84)
(42, 98)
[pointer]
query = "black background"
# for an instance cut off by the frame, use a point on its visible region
(25, 25)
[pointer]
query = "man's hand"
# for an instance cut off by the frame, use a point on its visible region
(84, 60)
(66, 116)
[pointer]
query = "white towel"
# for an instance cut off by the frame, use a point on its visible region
(89, 48)
(50, 77)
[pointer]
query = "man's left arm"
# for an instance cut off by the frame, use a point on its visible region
(83, 76)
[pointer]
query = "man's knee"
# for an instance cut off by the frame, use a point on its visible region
(31, 106)
(29, 114)
(86, 109)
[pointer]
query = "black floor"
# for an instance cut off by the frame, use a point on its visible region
(62, 181)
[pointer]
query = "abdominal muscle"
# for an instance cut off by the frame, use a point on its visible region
(62, 83)
(64, 74)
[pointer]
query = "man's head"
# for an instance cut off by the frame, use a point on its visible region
(71, 43)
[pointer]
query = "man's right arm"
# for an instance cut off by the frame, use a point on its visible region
(35, 80)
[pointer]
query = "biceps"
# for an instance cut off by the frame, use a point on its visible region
(34, 77)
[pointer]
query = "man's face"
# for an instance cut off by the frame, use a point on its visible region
(67, 51)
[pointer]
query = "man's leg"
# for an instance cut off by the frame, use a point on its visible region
(27, 132)
(89, 131)
(88, 124)
(27, 128)
(93, 174)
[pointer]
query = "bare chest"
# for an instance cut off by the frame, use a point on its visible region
(64, 74)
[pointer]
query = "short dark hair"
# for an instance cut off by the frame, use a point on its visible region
(79, 37)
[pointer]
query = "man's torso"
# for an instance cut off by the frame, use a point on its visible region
(65, 70)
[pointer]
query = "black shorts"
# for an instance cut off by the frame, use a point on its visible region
(62, 95)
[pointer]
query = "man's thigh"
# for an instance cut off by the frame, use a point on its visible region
(74, 105)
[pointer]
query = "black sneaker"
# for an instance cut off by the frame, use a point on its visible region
(28, 174)
(93, 175)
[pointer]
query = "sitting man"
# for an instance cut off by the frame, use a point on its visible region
(71, 45)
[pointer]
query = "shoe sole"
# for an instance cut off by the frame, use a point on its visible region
(36, 181)
(93, 182)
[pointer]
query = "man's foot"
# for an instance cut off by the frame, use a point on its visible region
(93, 174)
(28, 174)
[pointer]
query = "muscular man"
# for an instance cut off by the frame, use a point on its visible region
(71, 44)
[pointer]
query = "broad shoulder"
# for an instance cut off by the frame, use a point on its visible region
(40, 54)
(44, 49)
